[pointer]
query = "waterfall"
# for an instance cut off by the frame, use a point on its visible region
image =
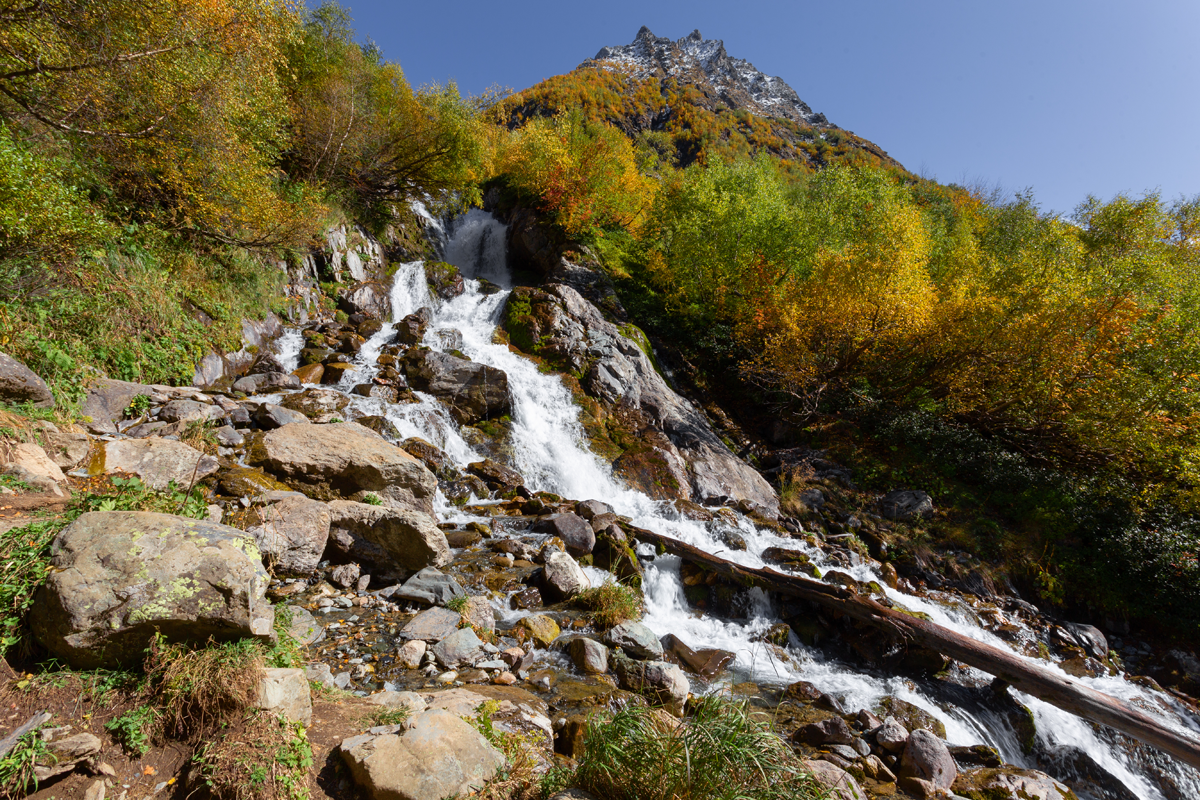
(550, 451)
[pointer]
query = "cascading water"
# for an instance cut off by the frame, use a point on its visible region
(549, 450)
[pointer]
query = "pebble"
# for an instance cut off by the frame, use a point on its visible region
(505, 679)
(447, 677)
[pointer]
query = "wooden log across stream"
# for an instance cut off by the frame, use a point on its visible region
(1041, 683)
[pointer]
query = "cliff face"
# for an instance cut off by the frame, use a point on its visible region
(704, 62)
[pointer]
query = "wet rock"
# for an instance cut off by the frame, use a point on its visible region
(228, 436)
(976, 755)
(541, 628)
(495, 474)
(471, 390)
(906, 505)
(1010, 783)
(839, 783)
(380, 425)
(660, 682)
(327, 462)
(120, 575)
(707, 663)
(573, 529)
(636, 640)
(157, 462)
(266, 383)
(910, 716)
(19, 384)
(335, 370)
(461, 539)
(285, 692)
(431, 625)
(562, 577)
(319, 405)
(444, 279)
(461, 648)
(527, 598)
(833, 730)
(437, 461)
(927, 758)
(429, 586)
(892, 736)
(310, 373)
(1089, 637)
(247, 482)
(269, 417)
(411, 329)
(590, 657)
(293, 535)
(388, 394)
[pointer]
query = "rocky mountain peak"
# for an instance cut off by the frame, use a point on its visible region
(694, 59)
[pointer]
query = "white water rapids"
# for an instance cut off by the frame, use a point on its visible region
(549, 450)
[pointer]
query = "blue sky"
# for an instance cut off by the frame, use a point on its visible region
(1066, 97)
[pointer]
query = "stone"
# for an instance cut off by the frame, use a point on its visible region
(573, 529)
(266, 383)
(472, 391)
(121, 575)
(708, 663)
(30, 463)
(328, 462)
(892, 736)
(590, 657)
(440, 756)
(438, 462)
(310, 374)
(247, 482)
(635, 640)
(911, 716)
(526, 598)
(228, 436)
(319, 405)
(1010, 783)
(658, 681)
(407, 538)
(541, 628)
(304, 627)
(321, 675)
(158, 462)
(429, 586)
(410, 653)
(368, 298)
(479, 614)
(388, 394)
(189, 411)
(927, 758)
(835, 780)
(285, 692)
(64, 448)
(409, 700)
(590, 509)
(495, 474)
(444, 279)
(431, 625)
(459, 649)
(19, 384)
(107, 401)
(1089, 637)
(345, 575)
(293, 534)
(906, 505)
(381, 425)
(269, 417)
(833, 730)
(563, 577)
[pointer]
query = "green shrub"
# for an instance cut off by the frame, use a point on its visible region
(611, 603)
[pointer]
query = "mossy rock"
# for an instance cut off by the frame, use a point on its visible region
(444, 279)
(911, 717)
(247, 482)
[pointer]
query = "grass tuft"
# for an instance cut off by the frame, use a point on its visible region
(611, 603)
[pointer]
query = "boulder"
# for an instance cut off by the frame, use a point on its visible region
(269, 417)
(64, 448)
(573, 529)
(927, 758)
(30, 463)
(590, 657)
(345, 575)
(658, 681)
(107, 401)
(892, 736)
(411, 329)
(19, 384)
(479, 614)
(285, 692)
(407, 538)
(433, 457)
(368, 298)
(431, 625)
(590, 509)
(328, 462)
(189, 411)
(381, 425)
(293, 534)
(472, 391)
(563, 578)
(388, 394)
(428, 586)
(409, 700)
(444, 279)
(1010, 783)
(835, 780)
(461, 648)
(411, 653)
(247, 482)
(635, 640)
(541, 628)
(833, 730)
(707, 663)
(906, 505)
(310, 373)
(495, 474)
(158, 462)
(439, 756)
(319, 405)
(266, 383)
(304, 627)
(118, 576)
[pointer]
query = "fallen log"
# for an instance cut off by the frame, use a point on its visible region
(1041, 683)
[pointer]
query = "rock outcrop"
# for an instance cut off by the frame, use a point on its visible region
(471, 391)
(158, 462)
(406, 538)
(19, 384)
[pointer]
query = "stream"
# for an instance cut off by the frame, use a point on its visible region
(549, 449)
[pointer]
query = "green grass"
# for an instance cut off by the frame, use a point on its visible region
(134, 729)
(721, 752)
(611, 603)
(458, 603)
(17, 778)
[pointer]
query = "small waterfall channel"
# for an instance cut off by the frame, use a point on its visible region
(549, 449)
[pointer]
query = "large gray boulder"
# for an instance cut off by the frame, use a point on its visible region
(293, 534)
(119, 576)
(463, 647)
(574, 336)
(472, 391)
(636, 640)
(266, 382)
(564, 578)
(575, 532)
(927, 758)
(439, 756)
(19, 384)
(158, 462)
(404, 538)
(330, 462)
(106, 402)
(660, 682)
(428, 586)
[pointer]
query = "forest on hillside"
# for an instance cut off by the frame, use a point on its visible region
(160, 157)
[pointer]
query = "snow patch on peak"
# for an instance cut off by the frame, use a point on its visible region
(694, 59)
